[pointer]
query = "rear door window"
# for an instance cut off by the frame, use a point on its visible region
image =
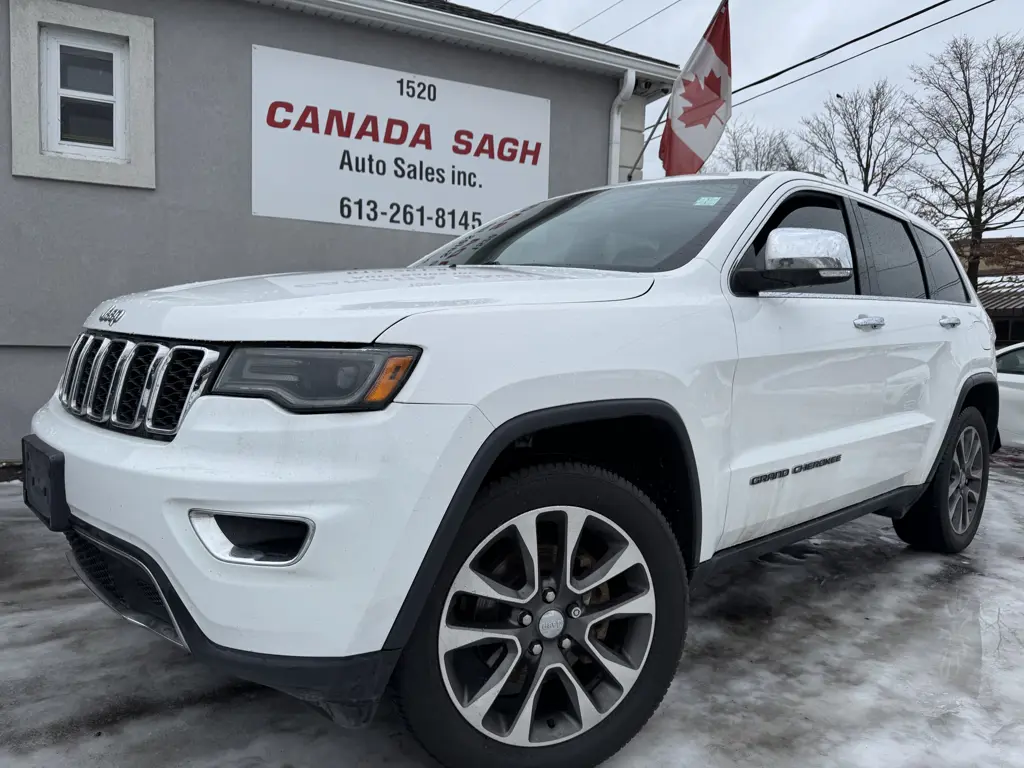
(892, 257)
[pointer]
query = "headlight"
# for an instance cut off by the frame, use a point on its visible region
(311, 380)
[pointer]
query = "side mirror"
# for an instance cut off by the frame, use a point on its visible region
(796, 257)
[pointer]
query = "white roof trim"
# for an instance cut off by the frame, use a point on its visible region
(481, 34)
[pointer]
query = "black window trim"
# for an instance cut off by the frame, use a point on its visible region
(869, 256)
(765, 214)
(968, 299)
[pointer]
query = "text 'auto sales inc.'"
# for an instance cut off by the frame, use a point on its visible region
(371, 133)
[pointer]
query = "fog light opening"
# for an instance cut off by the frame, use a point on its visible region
(252, 539)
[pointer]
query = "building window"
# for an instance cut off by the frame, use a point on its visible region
(82, 94)
(84, 90)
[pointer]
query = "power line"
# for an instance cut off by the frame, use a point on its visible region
(644, 21)
(839, 47)
(536, 3)
(863, 53)
(844, 61)
(602, 13)
(501, 6)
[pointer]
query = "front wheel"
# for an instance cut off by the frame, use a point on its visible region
(554, 629)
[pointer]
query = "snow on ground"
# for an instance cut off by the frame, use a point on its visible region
(845, 651)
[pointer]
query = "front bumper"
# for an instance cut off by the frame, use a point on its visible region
(376, 485)
(130, 582)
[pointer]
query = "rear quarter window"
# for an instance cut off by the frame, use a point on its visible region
(944, 277)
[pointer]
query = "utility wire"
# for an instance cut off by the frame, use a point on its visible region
(501, 6)
(863, 53)
(844, 61)
(602, 13)
(839, 47)
(643, 21)
(536, 3)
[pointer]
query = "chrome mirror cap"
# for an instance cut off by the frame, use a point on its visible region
(791, 248)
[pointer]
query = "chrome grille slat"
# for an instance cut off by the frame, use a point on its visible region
(83, 369)
(117, 388)
(196, 382)
(103, 371)
(144, 388)
(153, 380)
(94, 374)
(140, 365)
(65, 380)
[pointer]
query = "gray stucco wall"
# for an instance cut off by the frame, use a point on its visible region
(67, 246)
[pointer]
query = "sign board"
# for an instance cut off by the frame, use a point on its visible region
(353, 144)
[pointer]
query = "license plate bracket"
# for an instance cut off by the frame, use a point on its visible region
(43, 487)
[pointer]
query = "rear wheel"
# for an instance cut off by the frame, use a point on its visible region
(946, 518)
(555, 627)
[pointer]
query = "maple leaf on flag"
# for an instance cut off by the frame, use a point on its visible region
(705, 100)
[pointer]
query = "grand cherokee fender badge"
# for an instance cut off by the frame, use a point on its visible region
(778, 474)
(111, 316)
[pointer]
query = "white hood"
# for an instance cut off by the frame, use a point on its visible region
(347, 306)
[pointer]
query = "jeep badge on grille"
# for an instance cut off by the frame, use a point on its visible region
(111, 316)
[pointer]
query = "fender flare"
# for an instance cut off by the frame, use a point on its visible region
(473, 479)
(974, 380)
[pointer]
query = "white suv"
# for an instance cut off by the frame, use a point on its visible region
(488, 480)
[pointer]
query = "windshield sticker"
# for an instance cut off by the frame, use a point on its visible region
(707, 201)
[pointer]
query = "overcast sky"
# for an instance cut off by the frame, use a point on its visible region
(768, 35)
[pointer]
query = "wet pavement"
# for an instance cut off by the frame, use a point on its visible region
(845, 651)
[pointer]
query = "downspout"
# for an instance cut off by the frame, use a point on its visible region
(615, 124)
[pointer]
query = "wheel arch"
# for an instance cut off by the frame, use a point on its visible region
(980, 390)
(504, 437)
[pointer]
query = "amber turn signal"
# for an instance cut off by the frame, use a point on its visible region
(389, 379)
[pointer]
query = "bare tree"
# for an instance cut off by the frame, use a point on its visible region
(859, 138)
(967, 120)
(746, 146)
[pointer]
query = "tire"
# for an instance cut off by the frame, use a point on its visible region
(935, 523)
(433, 685)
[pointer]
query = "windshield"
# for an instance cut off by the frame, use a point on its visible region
(638, 228)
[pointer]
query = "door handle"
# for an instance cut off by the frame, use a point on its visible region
(869, 323)
(949, 322)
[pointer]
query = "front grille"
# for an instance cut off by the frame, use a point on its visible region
(137, 386)
(122, 581)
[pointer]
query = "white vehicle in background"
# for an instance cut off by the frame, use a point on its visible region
(1010, 372)
(489, 480)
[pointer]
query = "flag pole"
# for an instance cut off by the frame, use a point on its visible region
(629, 176)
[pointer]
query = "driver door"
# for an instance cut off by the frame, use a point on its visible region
(808, 385)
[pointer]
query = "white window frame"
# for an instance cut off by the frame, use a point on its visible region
(51, 40)
(36, 149)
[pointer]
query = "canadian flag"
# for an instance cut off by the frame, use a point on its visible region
(701, 101)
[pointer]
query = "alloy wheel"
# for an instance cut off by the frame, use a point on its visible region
(965, 478)
(546, 627)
